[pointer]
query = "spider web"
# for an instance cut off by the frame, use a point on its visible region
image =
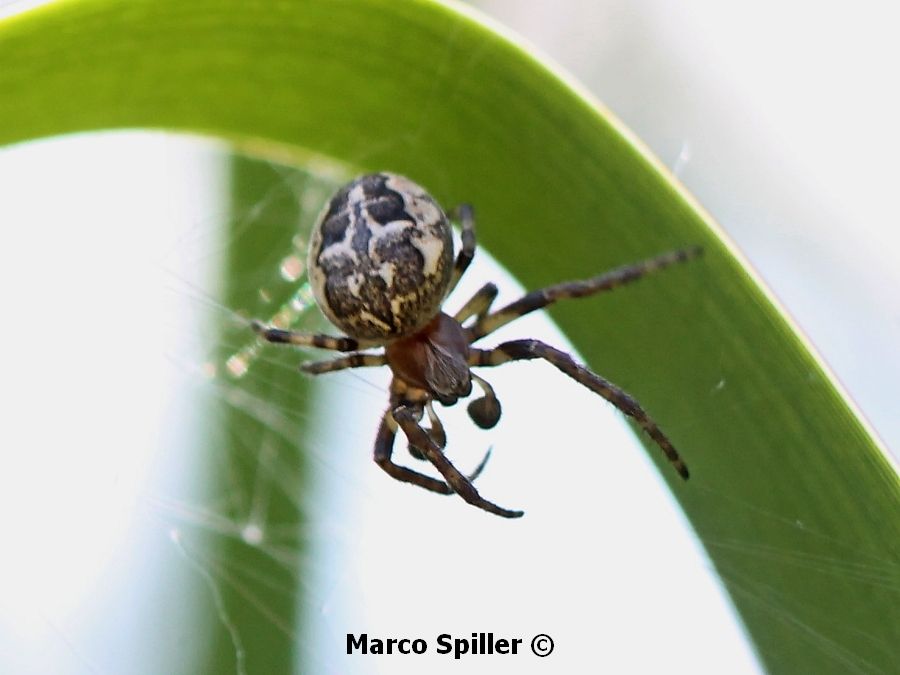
(247, 529)
(378, 574)
(210, 510)
(254, 532)
(186, 520)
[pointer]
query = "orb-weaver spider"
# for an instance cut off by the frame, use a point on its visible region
(381, 265)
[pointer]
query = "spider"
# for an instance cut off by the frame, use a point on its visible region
(381, 264)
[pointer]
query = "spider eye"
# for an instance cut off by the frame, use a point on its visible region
(485, 412)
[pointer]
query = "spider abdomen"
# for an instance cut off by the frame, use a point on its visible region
(381, 257)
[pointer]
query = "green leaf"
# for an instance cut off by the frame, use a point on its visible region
(794, 500)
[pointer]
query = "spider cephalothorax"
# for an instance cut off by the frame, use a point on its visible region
(381, 265)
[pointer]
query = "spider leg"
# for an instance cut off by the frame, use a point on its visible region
(384, 449)
(354, 360)
(340, 343)
(466, 216)
(405, 417)
(479, 304)
(576, 289)
(517, 350)
(436, 433)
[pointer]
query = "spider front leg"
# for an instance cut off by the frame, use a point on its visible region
(435, 432)
(384, 449)
(517, 350)
(461, 485)
(405, 417)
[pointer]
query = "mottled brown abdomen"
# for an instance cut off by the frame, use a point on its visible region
(381, 257)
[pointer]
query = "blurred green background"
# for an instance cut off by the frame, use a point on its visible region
(180, 519)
